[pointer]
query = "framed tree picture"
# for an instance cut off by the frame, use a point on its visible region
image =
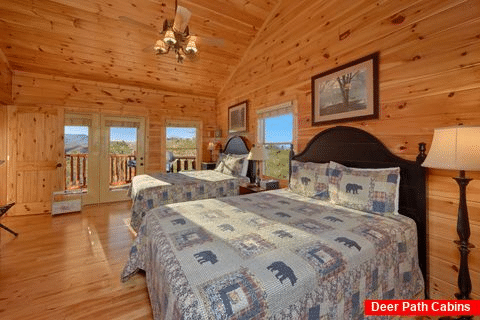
(237, 117)
(346, 93)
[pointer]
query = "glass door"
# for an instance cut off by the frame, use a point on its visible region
(122, 155)
(81, 138)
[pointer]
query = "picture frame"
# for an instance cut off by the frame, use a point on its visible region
(237, 117)
(346, 93)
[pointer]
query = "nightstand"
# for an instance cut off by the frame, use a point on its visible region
(208, 165)
(250, 188)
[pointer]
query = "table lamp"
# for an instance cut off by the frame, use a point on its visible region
(257, 154)
(211, 147)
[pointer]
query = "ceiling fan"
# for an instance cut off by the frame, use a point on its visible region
(176, 36)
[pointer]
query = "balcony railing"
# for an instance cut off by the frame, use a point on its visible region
(182, 163)
(76, 169)
(121, 172)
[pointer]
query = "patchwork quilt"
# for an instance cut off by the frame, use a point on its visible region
(272, 255)
(149, 191)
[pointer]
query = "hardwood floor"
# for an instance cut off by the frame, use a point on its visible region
(68, 267)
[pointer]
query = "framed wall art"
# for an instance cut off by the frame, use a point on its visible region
(346, 93)
(237, 117)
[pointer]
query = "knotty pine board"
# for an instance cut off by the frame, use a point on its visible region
(429, 78)
(85, 96)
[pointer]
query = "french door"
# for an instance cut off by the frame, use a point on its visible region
(102, 155)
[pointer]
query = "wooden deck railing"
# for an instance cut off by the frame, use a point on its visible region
(120, 172)
(76, 169)
(183, 164)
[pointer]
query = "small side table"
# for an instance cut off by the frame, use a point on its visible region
(250, 188)
(208, 165)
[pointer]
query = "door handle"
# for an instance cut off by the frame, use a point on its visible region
(59, 165)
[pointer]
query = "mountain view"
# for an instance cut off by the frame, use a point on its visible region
(78, 143)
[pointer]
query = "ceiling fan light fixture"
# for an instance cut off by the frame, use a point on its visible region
(191, 47)
(169, 38)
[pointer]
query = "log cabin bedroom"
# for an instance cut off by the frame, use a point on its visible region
(241, 159)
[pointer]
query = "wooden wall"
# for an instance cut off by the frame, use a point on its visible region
(5, 98)
(429, 78)
(5, 80)
(85, 96)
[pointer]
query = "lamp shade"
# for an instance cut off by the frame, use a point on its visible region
(211, 146)
(256, 153)
(455, 148)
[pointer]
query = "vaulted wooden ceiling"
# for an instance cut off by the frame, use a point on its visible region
(108, 40)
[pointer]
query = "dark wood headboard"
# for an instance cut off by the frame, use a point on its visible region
(238, 145)
(354, 147)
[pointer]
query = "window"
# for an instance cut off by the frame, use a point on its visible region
(181, 148)
(276, 132)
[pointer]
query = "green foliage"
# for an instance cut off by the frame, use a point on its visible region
(277, 163)
(121, 147)
(182, 147)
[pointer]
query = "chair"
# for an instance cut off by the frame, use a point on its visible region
(4, 210)
(170, 161)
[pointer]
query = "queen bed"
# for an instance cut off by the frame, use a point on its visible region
(149, 191)
(307, 252)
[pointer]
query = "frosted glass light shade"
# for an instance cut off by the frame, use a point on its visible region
(455, 148)
(211, 146)
(169, 38)
(191, 47)
(256, 153)
(160, 47)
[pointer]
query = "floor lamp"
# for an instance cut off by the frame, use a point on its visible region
(458, 148)
(257, 154)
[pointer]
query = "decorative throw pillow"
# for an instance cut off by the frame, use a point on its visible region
(368, 190)
(220, 163)
(233, 166)
(309, 179)
(219, 167)
(243, 173)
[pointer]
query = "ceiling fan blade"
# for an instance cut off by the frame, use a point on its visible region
(148, 49)
(211, 41)
(136, 23)
(182, 16)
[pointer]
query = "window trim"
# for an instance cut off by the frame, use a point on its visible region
(198, 124)
(288, 107)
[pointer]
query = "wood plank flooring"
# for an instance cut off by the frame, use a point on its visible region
(69, 266)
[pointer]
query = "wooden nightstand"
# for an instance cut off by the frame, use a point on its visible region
(247, 188)
(208, 165)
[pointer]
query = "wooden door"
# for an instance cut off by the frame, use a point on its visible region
(113, 176)
(35, 158)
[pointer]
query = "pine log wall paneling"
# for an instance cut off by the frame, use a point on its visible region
(429, 78)
(5, 98)
(5, 80)
(83, 96)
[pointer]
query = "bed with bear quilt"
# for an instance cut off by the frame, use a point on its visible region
(273, 255)
(149, 191)
(351, 226)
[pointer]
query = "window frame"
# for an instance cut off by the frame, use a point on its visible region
(198, 125)
(277, 110)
